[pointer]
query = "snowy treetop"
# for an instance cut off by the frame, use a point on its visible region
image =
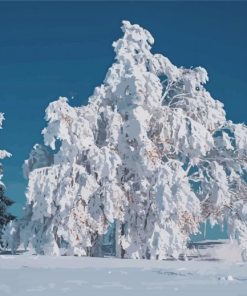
(152, 152)
(3, 153)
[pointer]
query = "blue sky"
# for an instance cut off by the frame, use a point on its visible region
(64, 49)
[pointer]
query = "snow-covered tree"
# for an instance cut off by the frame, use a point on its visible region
(5, 202)
(151, 152)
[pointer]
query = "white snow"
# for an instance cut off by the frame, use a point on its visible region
(28, 274)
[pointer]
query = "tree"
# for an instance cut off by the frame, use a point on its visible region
(5, 202)
(152, 152)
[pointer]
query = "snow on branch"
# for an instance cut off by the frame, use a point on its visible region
(151, 153)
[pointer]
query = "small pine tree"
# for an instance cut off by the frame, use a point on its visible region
(5, 202)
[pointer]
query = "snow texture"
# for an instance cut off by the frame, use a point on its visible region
(151, 152)
(76, 276)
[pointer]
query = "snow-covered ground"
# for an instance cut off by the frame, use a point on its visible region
(205, 274)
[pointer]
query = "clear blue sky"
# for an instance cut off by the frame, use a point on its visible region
(64, 49)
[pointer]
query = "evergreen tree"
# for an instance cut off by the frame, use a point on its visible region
(5, 202)
(152, 152)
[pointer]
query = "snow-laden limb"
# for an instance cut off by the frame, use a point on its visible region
(151, 152)
(3, 153)
(11, 236)
(38, 158)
